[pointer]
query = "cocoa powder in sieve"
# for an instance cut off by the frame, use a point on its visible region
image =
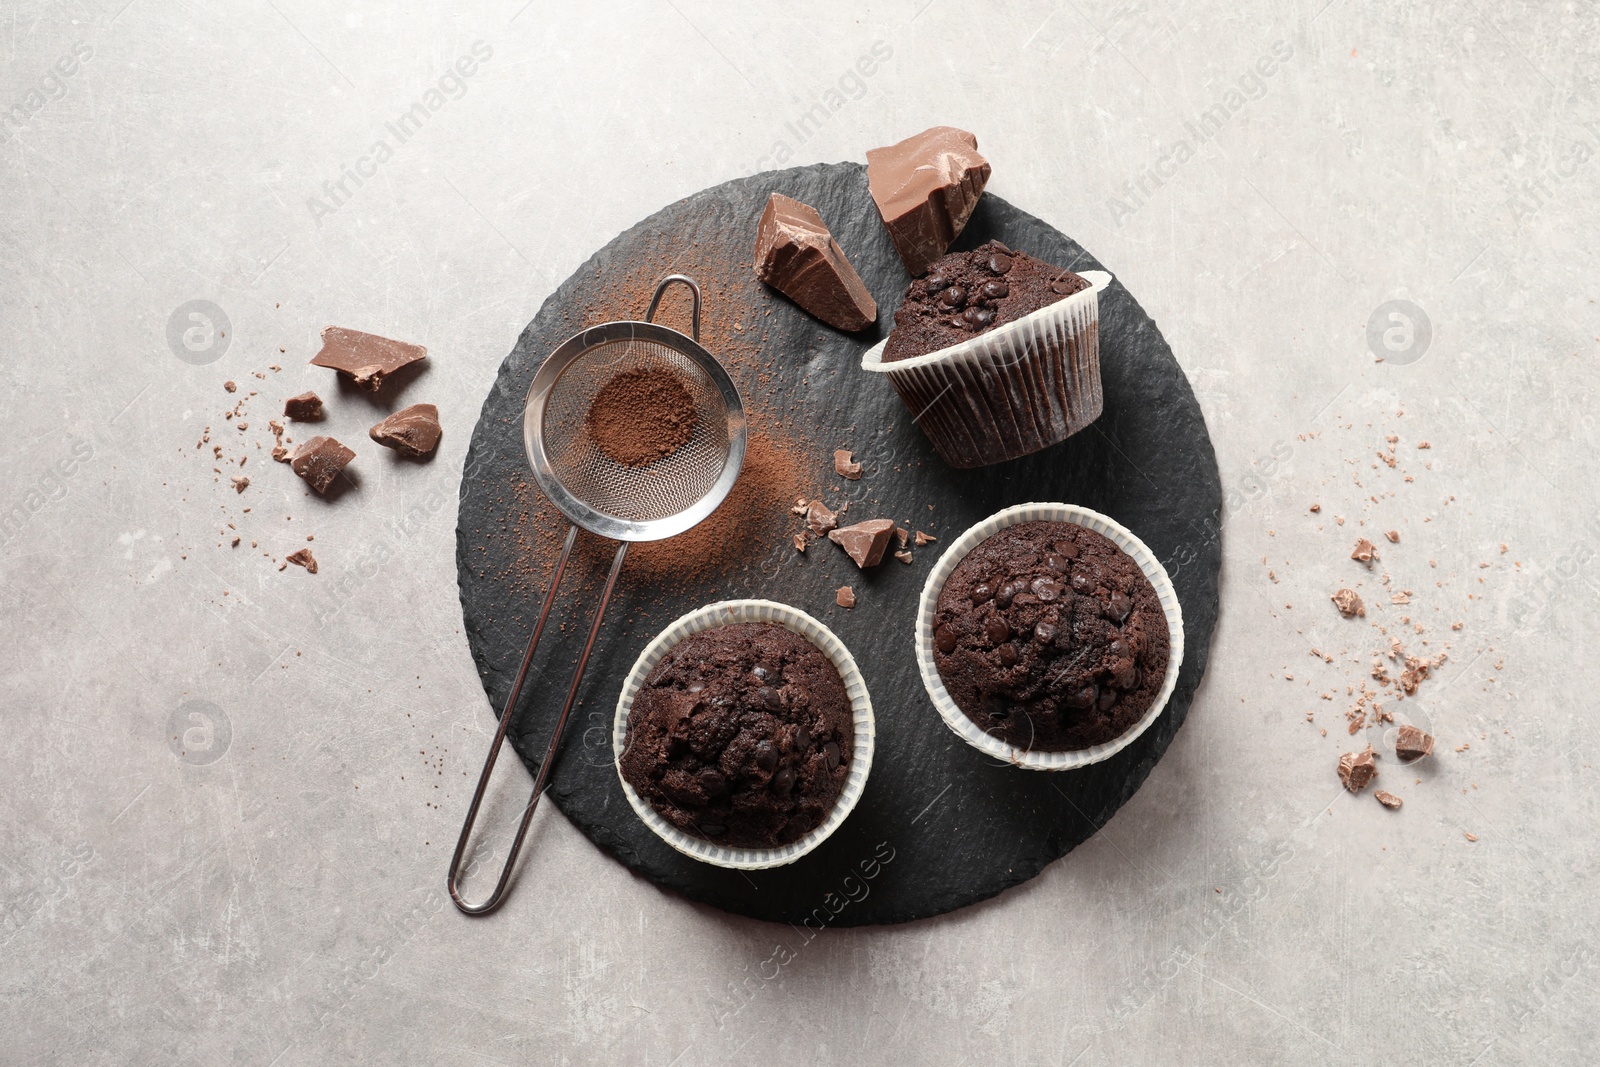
(641, 416)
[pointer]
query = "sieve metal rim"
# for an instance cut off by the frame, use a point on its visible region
(580, 513)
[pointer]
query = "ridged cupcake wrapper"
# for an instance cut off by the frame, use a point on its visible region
(971, 732)
(725, 613)
(1011, 391)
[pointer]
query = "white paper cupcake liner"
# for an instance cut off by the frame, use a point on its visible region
(726, 613)
(971, 732)
(1012, 391)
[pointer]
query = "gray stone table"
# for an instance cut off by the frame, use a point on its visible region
(229, 791)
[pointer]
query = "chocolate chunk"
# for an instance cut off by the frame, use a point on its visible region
(1388, 800)
(796, 255)
(302, 557)
(865, 542)
(1364, 552)
(319, 462)
(240, 484)
(413, 431)
(1393, 536)
(903, 557)
(845, 597)
(819, 520)
(925, 188)
(303, 407)
(1348, 603)
(921, 538)
(1411, 743)
(800, 543)
(1356, 769)
(844, 467)
(231, 387)
(365, 358)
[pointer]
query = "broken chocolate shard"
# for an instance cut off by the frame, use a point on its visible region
(844, 466)
(1348, 603)
(1411, 744)
(319, 462)
(413, 431)
(865, 542)
(1364, 552)
(819, 519)
(302, 557)
(796, 255)
(845, 597)
(365, 358)
(903, 557)
(304, 407)
(925, 188)
(240, 484)
(1356, 769)
(800, 543)
(1388, 799)
(923, 538)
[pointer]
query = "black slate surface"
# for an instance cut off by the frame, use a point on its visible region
(940, 826)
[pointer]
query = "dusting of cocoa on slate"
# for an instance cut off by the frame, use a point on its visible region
(780, 464)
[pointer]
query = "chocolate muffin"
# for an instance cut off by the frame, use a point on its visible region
(1050, 637)
(741, 735)
(965, 294)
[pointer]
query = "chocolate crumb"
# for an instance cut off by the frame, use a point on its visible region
(302, 557)
(1393, 536)
(844, 467)
(231, 387)
(845, 597)
(799, 542)
(240, 484)
(1388, 800)
(1364, 552)
(903, 557)
(902, 535)
(1316, 508)
(922, 539)
(1470, 836)
(1356, 769)
(1348, 603)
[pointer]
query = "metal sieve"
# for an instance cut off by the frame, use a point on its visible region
(616, 501)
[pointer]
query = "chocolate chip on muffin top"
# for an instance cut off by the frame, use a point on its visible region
(969, 293)
(742, 735)
(1050, 637)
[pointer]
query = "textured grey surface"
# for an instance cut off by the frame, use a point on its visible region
(282, 903)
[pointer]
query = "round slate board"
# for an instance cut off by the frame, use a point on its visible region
(940, 825)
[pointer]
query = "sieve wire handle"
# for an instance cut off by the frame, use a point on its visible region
(650, 316)
(541, 780)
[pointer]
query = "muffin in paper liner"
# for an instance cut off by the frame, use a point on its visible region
(726, 613)
(1017, 389)
(971, 732)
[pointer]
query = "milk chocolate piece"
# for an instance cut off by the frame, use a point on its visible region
(303, 407)
(413, 431)
(1388, 800)
(319, 462)
(865, 542)
(302, 557)
(1348, 603)
(1356, 769)
(1411, 743)
(1364, 552)
(819, 518)
(844, 466)
(364, 357)
(845, 597)
(796, 255)
(925, 188)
